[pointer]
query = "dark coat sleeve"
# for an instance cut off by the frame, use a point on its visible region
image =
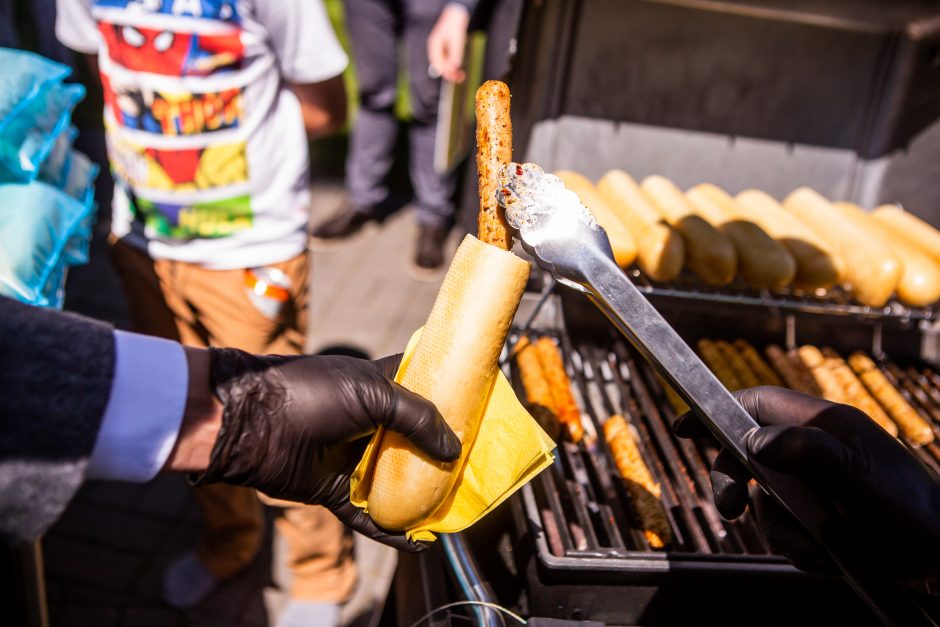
(55, 380)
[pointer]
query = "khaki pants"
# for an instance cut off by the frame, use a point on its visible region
(200, 307)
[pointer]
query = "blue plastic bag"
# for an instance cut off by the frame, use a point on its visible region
(25, 77)
(38, 225)
(55, 169)
(28, 137)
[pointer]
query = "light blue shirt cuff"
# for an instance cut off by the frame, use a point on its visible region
(145, 410)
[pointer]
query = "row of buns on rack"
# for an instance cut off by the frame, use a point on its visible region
(805, 242)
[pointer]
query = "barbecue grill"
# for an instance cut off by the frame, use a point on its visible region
(568, 544)
(838, 96)
(588, 560)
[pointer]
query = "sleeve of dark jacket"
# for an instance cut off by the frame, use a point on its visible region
(55, 380)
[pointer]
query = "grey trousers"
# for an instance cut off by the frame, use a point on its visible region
(375, 27)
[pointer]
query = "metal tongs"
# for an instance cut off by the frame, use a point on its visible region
(565, 239)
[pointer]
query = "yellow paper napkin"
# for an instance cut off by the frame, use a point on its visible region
(509, 450)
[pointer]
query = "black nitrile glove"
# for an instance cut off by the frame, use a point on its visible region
(296, 427)
(885, 498)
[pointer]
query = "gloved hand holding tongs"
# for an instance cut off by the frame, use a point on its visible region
(885, 499)
(565, 239)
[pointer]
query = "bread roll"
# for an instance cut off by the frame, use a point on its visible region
(817, 264)
(621, 241)
(660, 248)
(761, 260)
(871, 268)
(920, 280)
(453, 366)
(709, 253)
(644, 491)
(494, 150)
(910, 228)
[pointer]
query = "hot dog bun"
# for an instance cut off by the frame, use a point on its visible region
(817, 264)
(920, 281)
(660, 248)
(910, 228)
(761, 260)
(871, 268)
(709, 253)
(621, 240)
(453, 366)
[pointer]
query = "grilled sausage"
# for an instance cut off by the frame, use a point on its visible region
(563, 403)
(644, 492)
(913, 427)
(765, 374)
(494, 150)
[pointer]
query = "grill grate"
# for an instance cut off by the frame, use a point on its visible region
(582, 509)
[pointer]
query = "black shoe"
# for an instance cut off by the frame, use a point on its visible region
(345, 222)
(429, 253)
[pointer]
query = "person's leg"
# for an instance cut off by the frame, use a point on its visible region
(372, 26)
(232, 522)
(434, 191)
(320, 550)
(147, 305)
(320, 556)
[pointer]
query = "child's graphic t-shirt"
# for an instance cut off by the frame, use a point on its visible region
(206, 142)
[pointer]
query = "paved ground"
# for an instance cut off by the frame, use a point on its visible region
(105, 557)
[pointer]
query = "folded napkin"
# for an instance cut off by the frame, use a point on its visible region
(509, 450)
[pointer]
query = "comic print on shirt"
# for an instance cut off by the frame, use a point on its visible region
(201, 219)
(183, 170)
(219, 10)
(203, 188)
(167, 113)
(172, 53)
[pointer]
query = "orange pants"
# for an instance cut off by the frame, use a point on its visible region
(201, 307)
